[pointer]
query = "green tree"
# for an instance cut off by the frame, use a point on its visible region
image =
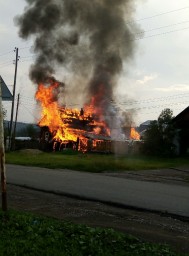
(165, 117)
(29, 131)
(152, 139)
(158, 138)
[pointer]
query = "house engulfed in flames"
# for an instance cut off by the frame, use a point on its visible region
(82, 130)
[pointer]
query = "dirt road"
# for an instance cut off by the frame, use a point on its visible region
(145, 225)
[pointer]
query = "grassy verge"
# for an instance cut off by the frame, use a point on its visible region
(92, 162)
(27, 235)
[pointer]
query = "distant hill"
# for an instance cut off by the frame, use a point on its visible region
(22, 128)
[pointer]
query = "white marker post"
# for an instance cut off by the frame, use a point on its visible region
(2, 155)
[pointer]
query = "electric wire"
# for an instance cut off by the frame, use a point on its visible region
(150, 100)
(139, 33)
(22, 48)
(29, 56)
(168, 99)
(159, 14)
(145, 18)
(160, 34)
(29, 111)
(158, 28)
(6, 65)
(6, 53)
(154, 109)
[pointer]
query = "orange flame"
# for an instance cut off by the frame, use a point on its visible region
(61, 120)
(134, 135)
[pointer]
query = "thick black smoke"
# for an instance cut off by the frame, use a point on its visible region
(80, 35)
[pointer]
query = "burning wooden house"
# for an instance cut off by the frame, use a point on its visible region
(77, 131)
(82, 130)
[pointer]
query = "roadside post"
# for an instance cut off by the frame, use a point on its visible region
(2, 155)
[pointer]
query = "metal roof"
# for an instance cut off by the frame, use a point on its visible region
(6, 94)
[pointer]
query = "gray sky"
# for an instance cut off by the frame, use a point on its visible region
(157, 78)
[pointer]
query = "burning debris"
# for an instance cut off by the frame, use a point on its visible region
(89, 40)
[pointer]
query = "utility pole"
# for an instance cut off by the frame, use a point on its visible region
(2, 155)
(14, 90)
(15, 123)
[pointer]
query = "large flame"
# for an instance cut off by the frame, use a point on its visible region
(134, 135)
(66, 124)
(75, 125)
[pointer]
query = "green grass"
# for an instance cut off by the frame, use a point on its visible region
(30, 235)
(92, 162)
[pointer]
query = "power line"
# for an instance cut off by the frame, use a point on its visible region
(143, 109)
(6, 53)
(140, 33)
(171, 25)
(6, 65)
(145, 18)
(154, 99)
(6, 62)
(28, 110)
(157, 106)
(29, 56)
(25, 60)
(32, 102)
(160, 34)
(28, 97)
(160, 14)
(158, 111)
(22, 48)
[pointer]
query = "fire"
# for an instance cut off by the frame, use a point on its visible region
(85, 128)
(134, 135)
(66, 124)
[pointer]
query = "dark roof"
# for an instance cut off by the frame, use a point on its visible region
(146, 123)
(182, 119)
(6, 94)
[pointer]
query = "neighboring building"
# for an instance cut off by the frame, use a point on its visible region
(181, 122)
(144, 125)
(182, 119)
(6, 94)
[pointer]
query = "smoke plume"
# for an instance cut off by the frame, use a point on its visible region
(84, 36)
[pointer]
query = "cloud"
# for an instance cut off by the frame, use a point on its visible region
(174, 88)
(146, 79)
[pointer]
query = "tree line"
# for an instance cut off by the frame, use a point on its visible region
(160, 137)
